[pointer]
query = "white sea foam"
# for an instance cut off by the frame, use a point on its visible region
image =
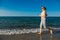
(19, 31)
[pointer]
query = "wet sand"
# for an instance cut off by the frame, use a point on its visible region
(31, 36)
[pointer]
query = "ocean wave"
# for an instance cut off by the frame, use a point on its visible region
(22, 31)
(17, 31)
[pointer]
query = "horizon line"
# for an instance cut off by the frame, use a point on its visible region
(28, 16)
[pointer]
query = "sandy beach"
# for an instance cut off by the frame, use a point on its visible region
(31, 36)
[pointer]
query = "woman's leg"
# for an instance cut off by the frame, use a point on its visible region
(41, 24)
(40, 27)
(44, 22)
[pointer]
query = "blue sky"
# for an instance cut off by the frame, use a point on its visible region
(29, 7)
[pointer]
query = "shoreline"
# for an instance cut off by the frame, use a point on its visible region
(30, 36)
(25, 31)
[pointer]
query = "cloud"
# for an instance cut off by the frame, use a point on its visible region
(7, 13)
(55, 13)
(17, 13)
(4, 12)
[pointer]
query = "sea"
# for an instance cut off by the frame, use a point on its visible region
(21, 25)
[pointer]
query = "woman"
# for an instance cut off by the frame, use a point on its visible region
(43, 18)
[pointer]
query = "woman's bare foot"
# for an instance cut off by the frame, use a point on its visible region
(39, 33)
